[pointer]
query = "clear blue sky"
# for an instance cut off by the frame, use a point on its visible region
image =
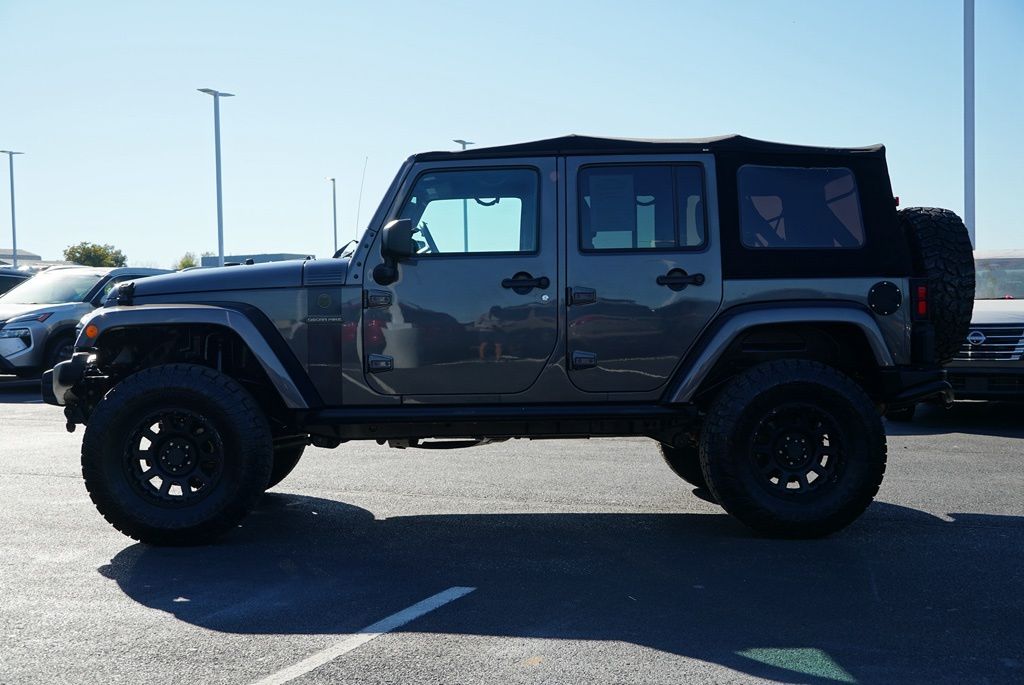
(101, 96)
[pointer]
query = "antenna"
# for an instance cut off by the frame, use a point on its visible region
(359, 202)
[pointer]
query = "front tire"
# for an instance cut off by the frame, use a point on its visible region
(176, 455)
(793, 449)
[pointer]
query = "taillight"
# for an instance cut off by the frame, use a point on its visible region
(920, 301)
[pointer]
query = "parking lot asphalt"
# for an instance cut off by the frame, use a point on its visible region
(589, 562)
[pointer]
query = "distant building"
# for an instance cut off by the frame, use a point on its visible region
(7, 256)
(256, 258)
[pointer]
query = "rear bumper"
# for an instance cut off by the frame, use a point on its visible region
(903, 386)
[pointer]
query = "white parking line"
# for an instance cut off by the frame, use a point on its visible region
(381, 627)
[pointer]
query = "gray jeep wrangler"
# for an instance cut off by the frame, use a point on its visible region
(753, 307)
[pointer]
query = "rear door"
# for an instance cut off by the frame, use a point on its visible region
(643, 267)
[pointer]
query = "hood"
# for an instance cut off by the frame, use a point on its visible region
(9, 311)
(242, 277)
(997, 311)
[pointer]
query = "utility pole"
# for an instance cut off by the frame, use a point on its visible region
(14, 227)
(217, 95)
(465, 206)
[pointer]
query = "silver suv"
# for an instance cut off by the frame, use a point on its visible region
(990, 364)
(38, 317)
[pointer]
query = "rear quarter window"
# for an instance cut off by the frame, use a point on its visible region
(799, 208)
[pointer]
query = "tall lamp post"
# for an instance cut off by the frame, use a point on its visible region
(465, 207)
(334, 205)
(969, 118)
(217, 95)
(14, 230)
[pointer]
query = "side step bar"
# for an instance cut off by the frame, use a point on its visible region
(493, 421)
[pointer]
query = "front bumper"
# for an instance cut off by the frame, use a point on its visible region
(57, 382)
(904, 386)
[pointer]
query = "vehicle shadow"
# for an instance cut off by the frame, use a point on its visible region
(900, 596)
(1001, 419)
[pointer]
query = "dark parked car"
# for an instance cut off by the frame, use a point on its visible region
(12, 277)
(751, 306)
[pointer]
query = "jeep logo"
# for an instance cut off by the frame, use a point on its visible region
(975, 337)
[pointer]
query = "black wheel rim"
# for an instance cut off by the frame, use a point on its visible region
(797, 450)
(174, 456)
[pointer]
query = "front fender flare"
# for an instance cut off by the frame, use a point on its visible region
(109, 318)
(701, 361)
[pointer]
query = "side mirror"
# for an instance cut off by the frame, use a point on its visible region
(396, 239)
(396, 244)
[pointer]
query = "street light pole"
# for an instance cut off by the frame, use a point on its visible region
(334, 205)
(14, 229)
(217, 95)
(969, 118)
(465, 206)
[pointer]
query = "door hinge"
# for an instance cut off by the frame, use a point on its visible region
(375, 363)
(373, 299)
(583, 360)
(578, 296)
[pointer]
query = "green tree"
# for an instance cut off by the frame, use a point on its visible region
(187, 260)
(94, 254)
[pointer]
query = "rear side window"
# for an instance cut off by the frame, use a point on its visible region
(647, 207)
(794, 207)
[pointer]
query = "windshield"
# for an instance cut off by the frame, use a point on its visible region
(52, 288)
(999, 279)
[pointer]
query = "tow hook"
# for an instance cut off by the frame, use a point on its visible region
(74, 416)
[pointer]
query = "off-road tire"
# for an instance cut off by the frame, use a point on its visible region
(285, 459)
(684, 460)
(227, 417)
(943, 254)
(757, 402)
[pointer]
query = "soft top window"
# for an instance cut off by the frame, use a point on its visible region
(798, 207)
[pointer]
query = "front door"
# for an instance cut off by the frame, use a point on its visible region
(476, 310)
(644, 268)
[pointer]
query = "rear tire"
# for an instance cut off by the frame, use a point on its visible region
(684, 461)
(943, 254)
(285, 459)
(176, 455)
(774, 425)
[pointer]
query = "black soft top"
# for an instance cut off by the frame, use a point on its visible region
(590, 145)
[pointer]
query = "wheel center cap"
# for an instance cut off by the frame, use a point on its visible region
(176, 456)
(793, 449)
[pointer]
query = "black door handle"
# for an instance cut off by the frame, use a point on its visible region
(523, 283)
(677, 279)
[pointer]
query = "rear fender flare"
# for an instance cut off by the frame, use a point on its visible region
(701, 361)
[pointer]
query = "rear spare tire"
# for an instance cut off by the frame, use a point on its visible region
(943, 255)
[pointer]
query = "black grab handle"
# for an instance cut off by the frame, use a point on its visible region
(518, 283)
(677, 279)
